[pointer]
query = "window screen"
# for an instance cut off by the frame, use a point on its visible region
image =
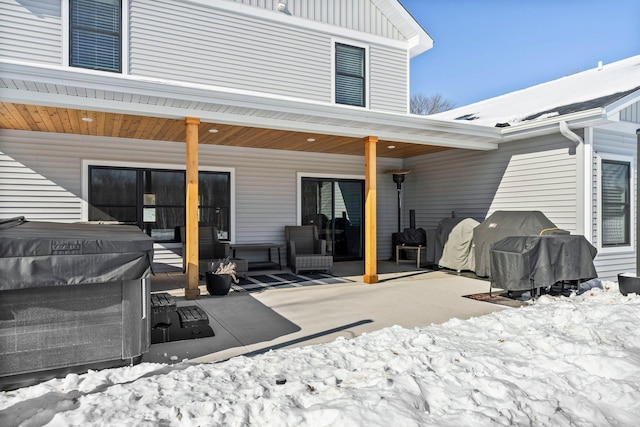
(95, 28)
(615, 203)
(350, 75)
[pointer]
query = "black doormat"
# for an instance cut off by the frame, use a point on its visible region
(285, 280)
(497, 298)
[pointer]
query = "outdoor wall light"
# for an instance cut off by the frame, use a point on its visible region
(282, 6)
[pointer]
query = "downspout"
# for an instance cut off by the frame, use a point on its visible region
(569, 134)
(584, 207)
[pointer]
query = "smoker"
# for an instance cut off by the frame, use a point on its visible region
(72, 297)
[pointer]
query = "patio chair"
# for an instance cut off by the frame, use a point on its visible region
(209, 247)
(305, 251)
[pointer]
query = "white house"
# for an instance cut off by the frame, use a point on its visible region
(262, 113)
(250, 115)
(568, 149)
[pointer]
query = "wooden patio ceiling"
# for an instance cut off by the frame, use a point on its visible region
(63, 120)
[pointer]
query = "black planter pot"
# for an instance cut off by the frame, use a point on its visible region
(628, 284)
(218, 284)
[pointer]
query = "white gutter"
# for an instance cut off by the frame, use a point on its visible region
(569, 134)
(581, 119)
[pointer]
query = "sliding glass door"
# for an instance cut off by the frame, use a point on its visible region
(336, 207)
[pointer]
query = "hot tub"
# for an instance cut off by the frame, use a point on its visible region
(72, 297)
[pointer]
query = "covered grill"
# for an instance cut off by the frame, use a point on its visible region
(528, 262)
(503, 224)
(72, 296)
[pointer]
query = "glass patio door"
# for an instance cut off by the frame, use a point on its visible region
(336, 207)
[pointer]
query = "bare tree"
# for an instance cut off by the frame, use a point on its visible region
(425, 105)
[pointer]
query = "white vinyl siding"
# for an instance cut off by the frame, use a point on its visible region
(388, 77)
(360, 15)
(537, 174)
(207, 46)
(631, 113)
(613, 145)
(41, 178)
(31, 31)
(204, 45)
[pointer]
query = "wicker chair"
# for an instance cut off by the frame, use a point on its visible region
(305, 251)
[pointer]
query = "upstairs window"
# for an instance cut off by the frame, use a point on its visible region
(616, 204)
(350, 75)
(95, 34)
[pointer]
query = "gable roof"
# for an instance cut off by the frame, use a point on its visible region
(419, 40)
(616, 84)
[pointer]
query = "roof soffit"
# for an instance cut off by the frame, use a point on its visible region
(64, 88)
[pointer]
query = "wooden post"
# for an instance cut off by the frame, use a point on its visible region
(191, 227)
(370, 211)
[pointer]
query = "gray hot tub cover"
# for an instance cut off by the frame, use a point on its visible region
(40, 254)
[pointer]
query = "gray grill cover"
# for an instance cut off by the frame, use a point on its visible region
(503, 224)
(41, 254)
(437, 238)
(526, 262)
(458, 251)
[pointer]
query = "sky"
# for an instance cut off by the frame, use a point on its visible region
(561, 361)
(486, 48)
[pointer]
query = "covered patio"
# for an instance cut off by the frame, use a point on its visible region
(59, 102)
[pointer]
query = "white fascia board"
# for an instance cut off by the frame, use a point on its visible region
(419, 40)
(215, 95)
(294, 21)
(621, 104)
(620, 127)
(150, 110)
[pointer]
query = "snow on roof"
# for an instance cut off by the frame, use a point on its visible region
(589, 89)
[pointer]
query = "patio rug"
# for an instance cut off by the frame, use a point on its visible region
(285, 280)
(497, 298)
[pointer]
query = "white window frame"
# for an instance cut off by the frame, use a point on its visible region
(626, 249)
(167, 166)
(367, 69)
(124, 39)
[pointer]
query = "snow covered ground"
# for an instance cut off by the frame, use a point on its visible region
(559, 362)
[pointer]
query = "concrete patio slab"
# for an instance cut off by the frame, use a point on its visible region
(250, 323)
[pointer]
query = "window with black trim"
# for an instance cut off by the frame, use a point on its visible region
(350, 81)
(154, 199)
(95, 34)
(616, 203)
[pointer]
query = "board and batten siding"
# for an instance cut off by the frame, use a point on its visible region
(631, 113)
(359, 15)
(537, 174)
(31, 31)
(41, 179)
(605, 142)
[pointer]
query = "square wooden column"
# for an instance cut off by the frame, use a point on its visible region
(370, 211)
(191, 227)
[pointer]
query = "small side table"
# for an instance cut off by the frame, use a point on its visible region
(413, 248)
